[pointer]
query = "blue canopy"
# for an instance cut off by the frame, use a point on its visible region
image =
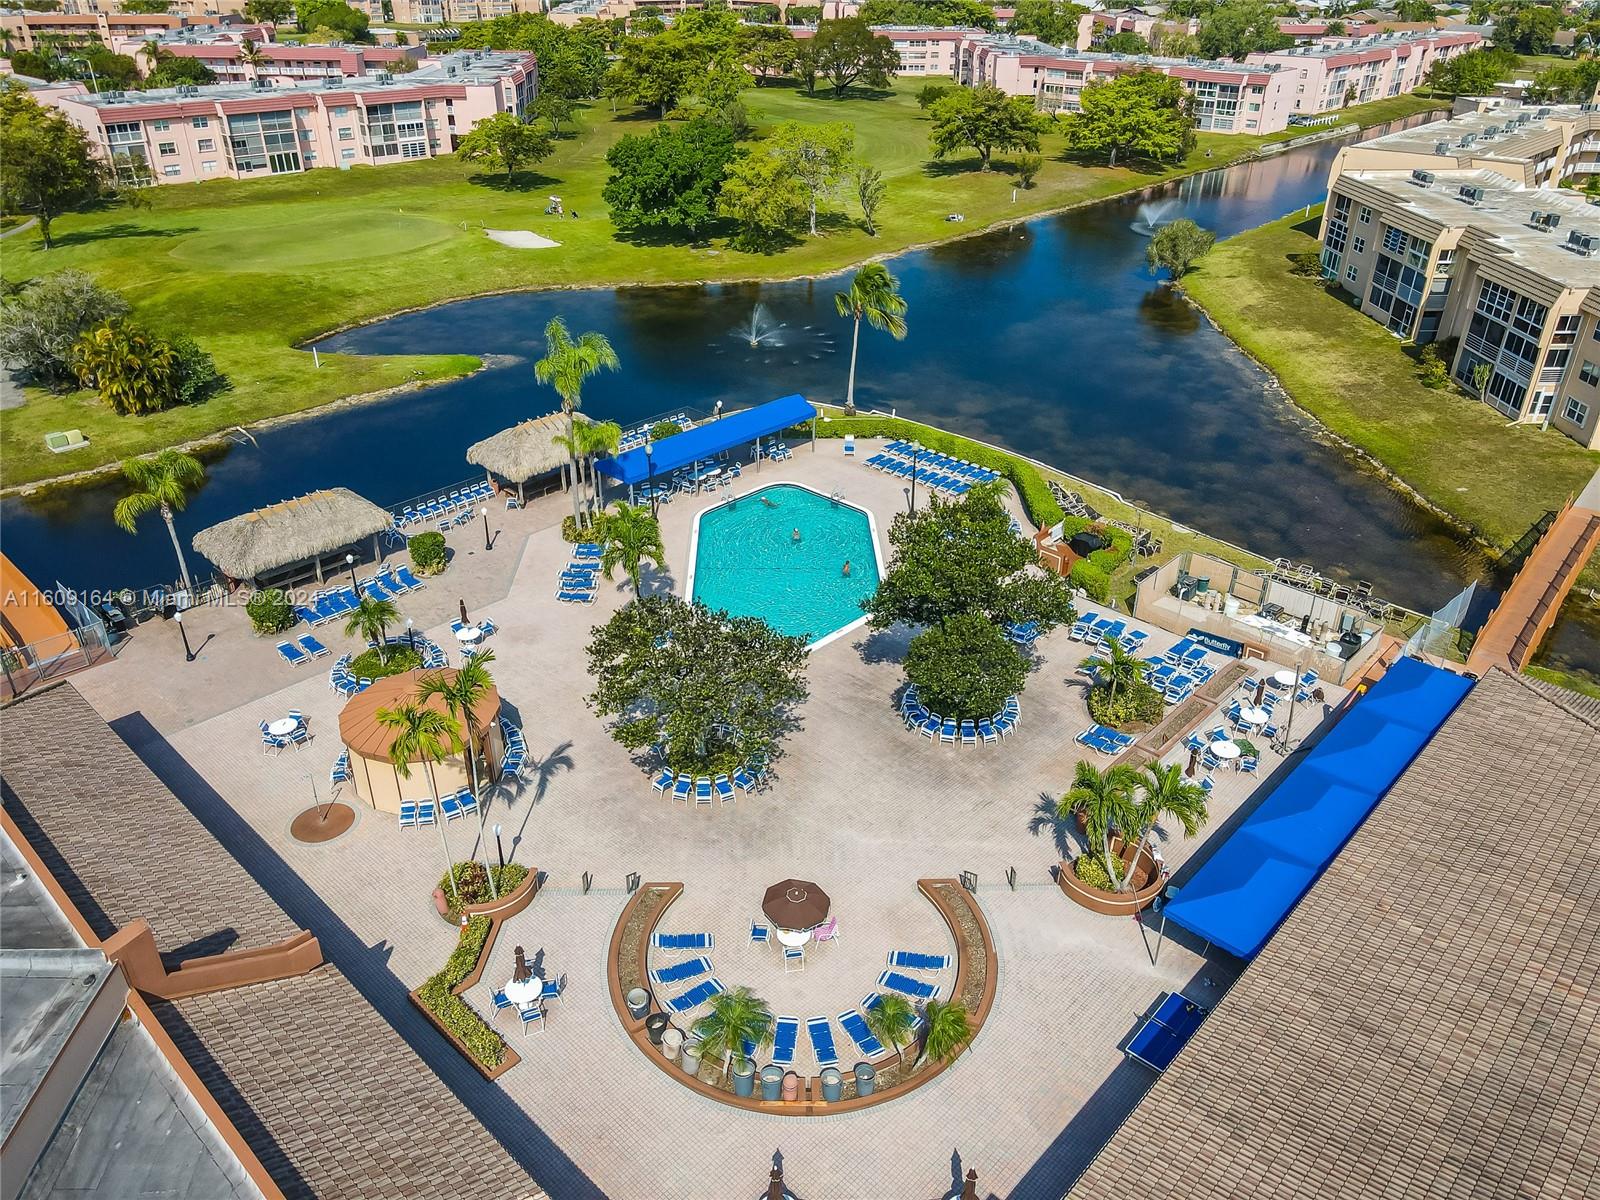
(707, 440)
(1243, 892)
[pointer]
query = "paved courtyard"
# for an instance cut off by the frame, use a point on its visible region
(857, 804)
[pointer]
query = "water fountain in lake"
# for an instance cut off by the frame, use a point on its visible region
(775, 341)
(1153, 215)
(762, 329)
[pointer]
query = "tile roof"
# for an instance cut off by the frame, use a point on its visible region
(1424, 1024)
(328, 1095)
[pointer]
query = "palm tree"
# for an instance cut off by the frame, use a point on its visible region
(155, 54)
(565, 366)
(893, 1019)
(1105, 798)
(252, 55)
(1163, 791)
(594, 439)
(875, 295)
(736, 1018)
(949, 1030)
(1117, 667)
(134, 371)
(422, 733)
(631, 536)
(461, 694)
(370, 619)
(163, 484)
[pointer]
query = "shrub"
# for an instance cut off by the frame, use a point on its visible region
(454, 1013)
(1091, 871)
(472, 884)
(1092, 578)
(594, 531)
(664, 429)
(966, 669)
(1137, 701)
(427, 552)
(400, 659)
(270, 611)
(197, 377)
(44, 320)
(1306, 265)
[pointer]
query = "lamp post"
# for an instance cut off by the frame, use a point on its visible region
(500, 851)
(650, 475)
(916, 450)
(411, 635)
(1288, 727)
(188, 654)
(484, 513)
(350, 561)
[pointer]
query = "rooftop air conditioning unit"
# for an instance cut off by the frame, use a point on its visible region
(333, 79)
(1582, 243)
(1544, 112)
(1491, 131)
(113, 94)
(1468, 138)
(1546, 220)
(1441, 148)
(1470, 193)
(384, 77)
(1422, 178)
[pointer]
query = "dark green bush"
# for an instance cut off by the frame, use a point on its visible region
(472, 884)
(1137, 701)
(270, 611)
(1092, 578)
(1307, 264)
(427, 552)
(594, 531)
(966, 669)
(1091, 871)
(398, 660)
(459, 1017)
(664, 429)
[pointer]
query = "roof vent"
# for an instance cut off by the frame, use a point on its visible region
(1491, 131)
(1469, 193)
(1468, 138)
(1422, 178)
(1545, 220)
(1544, 112)
(384, 77)
(1582, 243)
(1441, 147)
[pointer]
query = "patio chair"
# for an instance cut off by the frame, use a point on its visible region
(930, 727)
(702, 791)
(861, 1034)
(662, 781)
(760, 935)
(917, 989)
(828, 931)
(724, 788)
(681, 789)
(987, 731)
(467, 801)
(969, 733)
(913, 960)
(1249, 764)
(532, 1018)
(948, 732)
(1207, 784)
(785, 1033)
(404, 575)
(794, 959)
(1270, 732)
(1210, 761)
(451, 807)
(501, 1002)
(312, 646)
(743, 780)
(301, 735)
(552, 989)
(292, 654)
(691, 968)
(427, 813)
(408, 813)
(340, 771)
(1003, 725)
(822, 1041)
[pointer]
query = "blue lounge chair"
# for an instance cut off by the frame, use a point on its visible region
(408, 813)
(662, 781)
(987, 732)
(696, 996)
(682, 972)
(681, 789)
(702, 789)
(913, 961)
(948, 731)
(969, 733)
(426, 814)
(786, 1032)
(723, 787)
(743, 780)
(311, 646)
(681, 941)
(904, 984)
(292, 654)
(451, 807)
(341, 768)
(861, 1034)
(404, 575)
(468, 802)
(930, 728)
(822, 1041)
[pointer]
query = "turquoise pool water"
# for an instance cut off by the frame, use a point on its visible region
(748, 562)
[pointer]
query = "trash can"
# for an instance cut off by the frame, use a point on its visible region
(671, 1042)
(638, 1002)
(744, 1078)
(791, 1086)
(771, 1082)
(832, 1084)
(1202, 585)
(654, 1024)
(691, 1056)
(866, 1079)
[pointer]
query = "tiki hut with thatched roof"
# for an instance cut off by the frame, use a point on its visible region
(526, 450)
(276, 543)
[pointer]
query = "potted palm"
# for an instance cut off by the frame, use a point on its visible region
(1103, 803)
(1162, 791)
(738, 1020)
(949, 1031)
(893, 1020)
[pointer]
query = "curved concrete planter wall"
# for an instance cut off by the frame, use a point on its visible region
(1115, 904)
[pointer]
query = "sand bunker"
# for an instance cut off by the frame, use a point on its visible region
(521, 239)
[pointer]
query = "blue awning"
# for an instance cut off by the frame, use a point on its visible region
(1240, 896)
(707, 440)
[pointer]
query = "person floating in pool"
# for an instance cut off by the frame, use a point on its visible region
(795, 537)
(767, 500)
(847, 568)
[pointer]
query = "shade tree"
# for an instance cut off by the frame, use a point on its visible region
(669, 178)
(505, 141)
(984, 119)
(1143, 114)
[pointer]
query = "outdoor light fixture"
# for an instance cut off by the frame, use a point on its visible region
(350, 561)
(650, 475)
(916, 449)
(498, 848)
(411, 635)
(188, 654)
(484, 513)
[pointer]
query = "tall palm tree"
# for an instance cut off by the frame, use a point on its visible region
(893, 1019)
(370, 619)
(251, 55)
(163, 484)
(155, 54)
(461, 693)
(736, 1018)
(1163, 791)
(594, 439)
(1105, 798)
(875, 295)
(422, 733)
(1116, 666)
(631, 536)
(566, 364)
(949, 1030)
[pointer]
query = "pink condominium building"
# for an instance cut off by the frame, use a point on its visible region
(1369, 68)
(248, 131)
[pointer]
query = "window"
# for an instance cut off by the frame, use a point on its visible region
(1576, 412)
(172, 169)
(208, 167)
(1341, 205)
(1496, 301)
(1365, 215)
(1350, 274)
(264, 142)
(347, 155)
(1394, 240)
(341, 111)
(346, 133)
(160, 126)
(1358, 245)
(206, 145)
(167, 148)
(200, 122)
(1590, 374)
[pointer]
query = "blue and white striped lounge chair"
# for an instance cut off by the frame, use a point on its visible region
(871, 1001)
(702, 790)
(723, 787)
(861, 1034)
(662, 781)
(681, 789)
(911, 960)
(691, 968)
(681, 941)
(588, 550)
(948, 731)
(969, 733)
(1249, 764)
(426, 814)
(468, 802)
(696, 996)
(532, 1018)
(408, 813)
(987, 731)
(270, 741)
(930, 728)
(501, 1002)
(743, 780)
(404, 575)
(822, 1041)
(341, 768)
(794, 959)
(1003, 725)
(311, 646)
(451, 807)
(785, 1033)
(1207, 784)
(292, 654)
(904, 984)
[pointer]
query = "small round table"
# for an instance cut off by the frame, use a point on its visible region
(1225, 750)
(792, 937)
(1254, 716)
(468, 634)
(1283, 678)
(283, 727)
(526, 993)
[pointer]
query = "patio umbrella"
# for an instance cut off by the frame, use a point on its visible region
(523, 973)
(795, 904)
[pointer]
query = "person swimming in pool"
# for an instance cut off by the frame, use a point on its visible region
(847, 568)
(768, 502)
(795, 536)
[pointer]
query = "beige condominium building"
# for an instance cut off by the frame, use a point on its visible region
(1506, 275)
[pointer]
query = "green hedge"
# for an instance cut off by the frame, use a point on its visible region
(454, 1013)
(427, 552)
(400, 660)
(1043, 508)
(594, 531)
(1136, 702)
(1092, 578)
(270, 611)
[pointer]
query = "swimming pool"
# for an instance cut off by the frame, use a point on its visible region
(747, 560)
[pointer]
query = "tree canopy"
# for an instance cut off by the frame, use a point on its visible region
(1142, 113)
(669, 178)
(1240, 27)
(1471, 74)
(1051, 21)
(1124, 41)
(47, 165)
(1526, 28)
(654, 72)
(818, 157)
(1177, 246)
(763, 196)
(269, 12)
(506, 141)
(847, 52)
(713, 691)
(966, 668)
(984, 119)
(928, 12)
(349, 23)
(41, 323)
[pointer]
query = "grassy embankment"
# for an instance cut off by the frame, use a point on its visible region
(252, 269)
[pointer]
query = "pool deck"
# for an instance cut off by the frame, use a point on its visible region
(857, 804)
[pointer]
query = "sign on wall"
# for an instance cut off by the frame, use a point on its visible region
(1221, 645)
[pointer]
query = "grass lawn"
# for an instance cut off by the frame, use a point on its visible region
(1351, 374)
(252, 269)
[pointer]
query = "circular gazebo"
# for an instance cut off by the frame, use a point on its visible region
(376, 778)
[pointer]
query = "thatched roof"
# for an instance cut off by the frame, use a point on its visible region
(358, 722)
(290, 531)
(525, 450)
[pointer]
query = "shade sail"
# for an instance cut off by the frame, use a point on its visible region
(707, 440)
(1243, 892)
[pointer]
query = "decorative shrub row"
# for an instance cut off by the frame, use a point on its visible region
(270, 611)
(427, 552)
(472, 884)
(1137, 701)
(399, 660)
(454, 1013)
(594, 531)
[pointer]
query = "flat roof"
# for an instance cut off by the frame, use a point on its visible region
(1423, 1024)
(1425, 139)
(1503, 214)
(1379, 42)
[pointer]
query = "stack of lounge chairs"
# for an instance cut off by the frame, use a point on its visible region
(452, 506)
(949, 730)
(516, 748)
(1025, 633)
(417, 812)
(1103, 740)
(939, 472)
(637, 435)
(580, 578)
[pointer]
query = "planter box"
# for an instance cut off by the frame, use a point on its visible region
(1149, 881)
(511, 1059)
